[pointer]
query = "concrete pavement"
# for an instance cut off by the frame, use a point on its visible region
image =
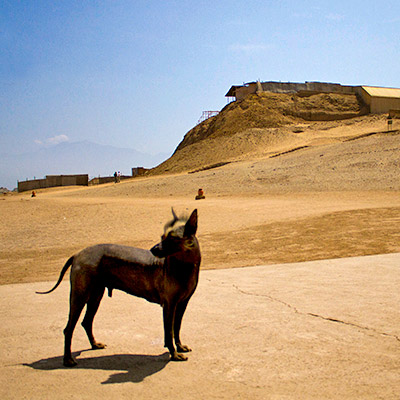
(325, 329)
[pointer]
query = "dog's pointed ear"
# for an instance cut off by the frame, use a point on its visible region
(191, 224)
(174, 215)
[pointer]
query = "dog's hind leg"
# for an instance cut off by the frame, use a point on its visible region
(180, 310)
(91, 310)
(75, 308)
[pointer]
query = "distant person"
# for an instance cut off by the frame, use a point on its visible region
(115, 177)
(200, 195)
(119, 176)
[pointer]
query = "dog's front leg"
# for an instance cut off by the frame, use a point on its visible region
(169, 314)
(180, 309)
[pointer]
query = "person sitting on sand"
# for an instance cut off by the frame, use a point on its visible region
(200, 195)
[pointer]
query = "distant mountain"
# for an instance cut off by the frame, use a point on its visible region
(73, 158)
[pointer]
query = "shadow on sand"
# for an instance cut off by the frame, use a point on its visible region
(135, 367)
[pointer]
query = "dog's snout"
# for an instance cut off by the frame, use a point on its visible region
(156, 250)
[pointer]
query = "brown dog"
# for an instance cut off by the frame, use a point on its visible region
(167, 275)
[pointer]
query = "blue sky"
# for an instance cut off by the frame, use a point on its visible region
(138, 74)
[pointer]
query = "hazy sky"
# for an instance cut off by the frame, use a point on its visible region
(139, 74)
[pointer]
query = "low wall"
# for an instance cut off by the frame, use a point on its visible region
(136, 171)
(53, 181)
(293, 87)
(67, 180)
(316, 87)
(101, 179)
(107, 179)
(33, 184)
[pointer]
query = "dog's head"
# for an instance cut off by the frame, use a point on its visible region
(178, 236)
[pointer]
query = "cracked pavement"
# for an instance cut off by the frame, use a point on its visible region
(330, 319)
(324, 329)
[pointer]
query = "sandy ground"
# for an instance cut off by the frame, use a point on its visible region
(323, 329)
(39, 234)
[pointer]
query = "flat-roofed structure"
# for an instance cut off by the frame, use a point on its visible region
(380, 99)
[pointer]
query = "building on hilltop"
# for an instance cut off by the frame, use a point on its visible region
(378, 99)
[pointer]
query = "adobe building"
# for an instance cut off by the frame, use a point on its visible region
(381, 100)
(378, 99)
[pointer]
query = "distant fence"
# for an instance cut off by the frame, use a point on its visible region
(53, 181)
(207, 114)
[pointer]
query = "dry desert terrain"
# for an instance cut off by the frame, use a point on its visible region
(296, 327)
(337, 197)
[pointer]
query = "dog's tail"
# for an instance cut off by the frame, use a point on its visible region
(62, 273)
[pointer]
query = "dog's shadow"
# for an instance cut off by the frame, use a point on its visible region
(135, 367)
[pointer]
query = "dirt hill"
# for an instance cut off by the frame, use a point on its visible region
(264, 122)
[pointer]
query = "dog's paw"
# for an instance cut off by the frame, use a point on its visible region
(183, 348)
(69, 362)
(178, 357)
(98, 345)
